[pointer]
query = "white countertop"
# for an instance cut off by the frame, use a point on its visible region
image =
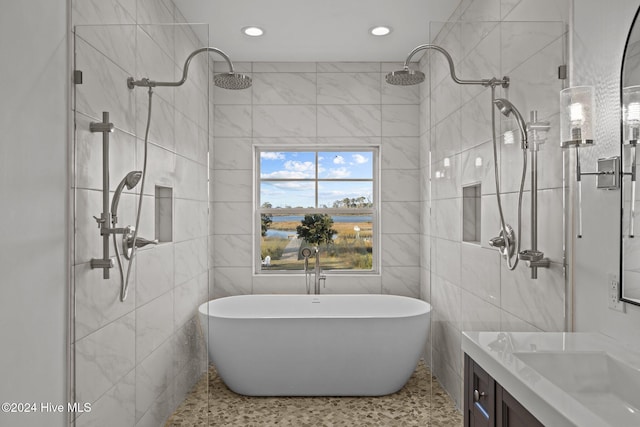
(563, 379)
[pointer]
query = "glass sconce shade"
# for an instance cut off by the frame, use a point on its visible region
(631, 114)
(576, 116)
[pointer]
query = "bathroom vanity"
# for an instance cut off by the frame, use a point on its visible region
(549, 379)
(488, 404)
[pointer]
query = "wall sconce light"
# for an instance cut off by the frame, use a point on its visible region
(630, 135)
(576, 116)
(577, 106)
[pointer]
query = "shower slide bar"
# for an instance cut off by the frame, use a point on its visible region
(105, 127)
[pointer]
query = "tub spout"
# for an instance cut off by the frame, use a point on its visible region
(318, 274)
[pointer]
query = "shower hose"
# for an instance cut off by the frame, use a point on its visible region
(511, 265)
(124, 287)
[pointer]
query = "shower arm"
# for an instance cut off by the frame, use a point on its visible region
(145, 82)
(504, 82)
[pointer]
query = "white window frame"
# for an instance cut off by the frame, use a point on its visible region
(374, 211)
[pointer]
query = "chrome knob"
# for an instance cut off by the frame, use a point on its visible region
(477, 395)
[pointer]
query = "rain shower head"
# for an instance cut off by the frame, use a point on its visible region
(406, 76)
(230, 80)
(129, 181)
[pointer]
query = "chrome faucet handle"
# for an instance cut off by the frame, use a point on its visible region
(497, 242)
(127, 241)
(142, 242)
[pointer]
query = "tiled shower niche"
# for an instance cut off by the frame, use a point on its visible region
(472, 213)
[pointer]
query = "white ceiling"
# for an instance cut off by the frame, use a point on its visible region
(318, 30)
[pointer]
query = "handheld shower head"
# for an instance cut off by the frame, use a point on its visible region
(506, 108)
(129, 181)
(132, 179)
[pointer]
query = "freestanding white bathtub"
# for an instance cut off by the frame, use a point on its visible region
(315, 345)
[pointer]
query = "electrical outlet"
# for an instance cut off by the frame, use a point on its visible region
(614, 296)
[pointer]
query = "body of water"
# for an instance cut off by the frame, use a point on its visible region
(281, 234)
(336, 218)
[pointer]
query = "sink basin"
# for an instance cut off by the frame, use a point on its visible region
(610, 387)
(565, 379)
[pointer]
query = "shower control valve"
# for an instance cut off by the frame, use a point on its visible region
(128, 241)
(505, 242)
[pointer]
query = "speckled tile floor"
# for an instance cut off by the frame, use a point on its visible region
(421, 402)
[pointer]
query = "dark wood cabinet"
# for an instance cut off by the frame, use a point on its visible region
(488, 404)
(479, 399)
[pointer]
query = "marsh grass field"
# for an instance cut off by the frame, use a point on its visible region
(349, 250)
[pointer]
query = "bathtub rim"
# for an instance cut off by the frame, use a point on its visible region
(204, 310)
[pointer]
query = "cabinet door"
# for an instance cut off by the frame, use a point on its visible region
(479, 399)
(510, 413)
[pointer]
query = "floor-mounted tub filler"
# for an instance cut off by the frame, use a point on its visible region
(315, 345)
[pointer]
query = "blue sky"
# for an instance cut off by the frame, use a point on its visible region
(301, 165)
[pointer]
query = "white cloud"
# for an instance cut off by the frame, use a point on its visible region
(294, 186)
(271, 155)
(284, 175)
(338, 160)
(295, 165)
(293, 169)
(338, 173)
(359, 159)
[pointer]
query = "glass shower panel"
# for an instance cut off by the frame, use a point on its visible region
(470, 287)
(136, 360)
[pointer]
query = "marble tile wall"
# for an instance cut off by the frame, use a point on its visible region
(468, 284)
(597, 62)
(306, 104)
(136, 360)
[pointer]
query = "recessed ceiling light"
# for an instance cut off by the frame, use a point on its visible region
(253, 31)
(380, 31)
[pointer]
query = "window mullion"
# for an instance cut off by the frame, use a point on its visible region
(365, 247)
(316, 183)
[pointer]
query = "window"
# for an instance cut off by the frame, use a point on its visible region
(325, 199)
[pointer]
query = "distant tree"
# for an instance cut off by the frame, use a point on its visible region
(356, 202)
(316, 229)
(265, 219)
